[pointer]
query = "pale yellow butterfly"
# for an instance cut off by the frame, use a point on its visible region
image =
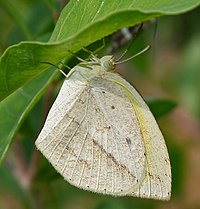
(101, 136)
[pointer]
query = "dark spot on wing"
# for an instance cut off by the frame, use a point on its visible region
(97, 109)
(107, 127)
(150, 174)
(166, 160)
(128, 141)
(81, 101)
(112, 107)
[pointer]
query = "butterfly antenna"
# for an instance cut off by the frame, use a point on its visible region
(135, 55)
(130, 45)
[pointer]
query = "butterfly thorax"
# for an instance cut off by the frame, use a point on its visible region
(85, 72)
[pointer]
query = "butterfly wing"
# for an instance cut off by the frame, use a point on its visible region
(102, 137)
(157, 181)
(92, 138)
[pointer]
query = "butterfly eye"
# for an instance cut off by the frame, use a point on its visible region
(108, 65)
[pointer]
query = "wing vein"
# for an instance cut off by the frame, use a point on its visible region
(75, 131)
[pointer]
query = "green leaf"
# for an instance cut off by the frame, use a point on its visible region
(111, 205)
(12, 10)
(81, 23)
(160, 107)
(14, 108)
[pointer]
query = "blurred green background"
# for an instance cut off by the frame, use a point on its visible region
(170, 70)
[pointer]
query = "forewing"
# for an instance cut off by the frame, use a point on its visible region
(157, 181)
(96, 143)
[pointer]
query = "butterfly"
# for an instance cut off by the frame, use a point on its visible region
(101, 136)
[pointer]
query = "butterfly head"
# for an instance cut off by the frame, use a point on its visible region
(107, 62)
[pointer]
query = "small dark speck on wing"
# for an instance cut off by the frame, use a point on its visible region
(128, 140)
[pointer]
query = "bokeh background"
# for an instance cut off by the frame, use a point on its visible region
(169, 71)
